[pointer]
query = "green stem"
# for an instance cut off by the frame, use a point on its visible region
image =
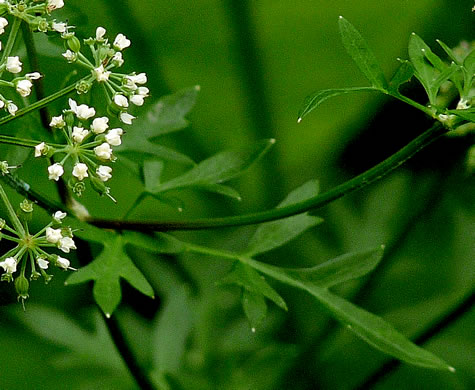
(24, 189)
(370, 176)
(11, 213)
(27, 143)
(11, 40)
(40, 103)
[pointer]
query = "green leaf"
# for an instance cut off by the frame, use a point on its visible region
(152, 171)
(450, 53)
(107, 269)
(371, 328)
(166, 116)
(249, 279)
(468, 115)
(359, 50)
(312, 101)
(255, 308)
(271, 235)
(170, 333)
(377, 332)
(429, 68)
(218, 168)
(221, 190)
(403, 74)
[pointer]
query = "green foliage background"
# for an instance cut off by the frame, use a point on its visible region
(196, 330)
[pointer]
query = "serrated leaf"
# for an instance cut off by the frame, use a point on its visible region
(403, 74)
(371, 328)
(359, 50)
(249, 279)
(219, 168)
(107, 269)
(271, 235)
(255, 307)
(312, 101)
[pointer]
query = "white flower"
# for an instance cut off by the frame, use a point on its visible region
(117, 59)
(23, 87)
(113, 137)
(121, 101)
(80, 171)
(104, 172)
(9, 265)
(121, 42)
(100, 74)
(33, 76)
(143, 91)
(79, 133)
(82, 111)
(57, 121)
(2, 104)
(103, 151)
(99, 125)
(54, 4)
(126, 118)
(3, 24)
(40, 149)
(12, 108)
(140, 78)
(42, 262)
(100, 32)
(59, 27)
(55, 171)
(53, 235)
(62, 262)
(463, 104)
(66, 244)
(14, 64)
(138, 100)
(58, 216)
(70, 55)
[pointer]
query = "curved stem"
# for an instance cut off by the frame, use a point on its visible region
(11, 213)
(370, 176)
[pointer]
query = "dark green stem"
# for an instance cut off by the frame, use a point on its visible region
(370, 176)
(127, 355)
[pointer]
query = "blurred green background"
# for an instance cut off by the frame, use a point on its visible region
(255, 62)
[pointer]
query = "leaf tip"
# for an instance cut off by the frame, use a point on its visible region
(108, 315)
(299, 120)
(340, 17)
(452, 369)
(383, 247)
(272, 141)
(253, 330)
(197, 87)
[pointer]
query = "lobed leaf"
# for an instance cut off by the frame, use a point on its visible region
(359, 50)
(371, 328)
(312, 101)
(106, 270)
(249, 279)
(218, 168)
(403, 74)
(271, 235)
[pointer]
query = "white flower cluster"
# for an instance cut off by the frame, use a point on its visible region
(13, 65)
(35, 248)
(121, 89)
(88, 145)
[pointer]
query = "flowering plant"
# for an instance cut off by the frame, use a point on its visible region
(91, 130)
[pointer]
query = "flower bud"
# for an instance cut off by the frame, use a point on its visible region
(74, 44)
(25, 211)
(99, 186)
(22, 286)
